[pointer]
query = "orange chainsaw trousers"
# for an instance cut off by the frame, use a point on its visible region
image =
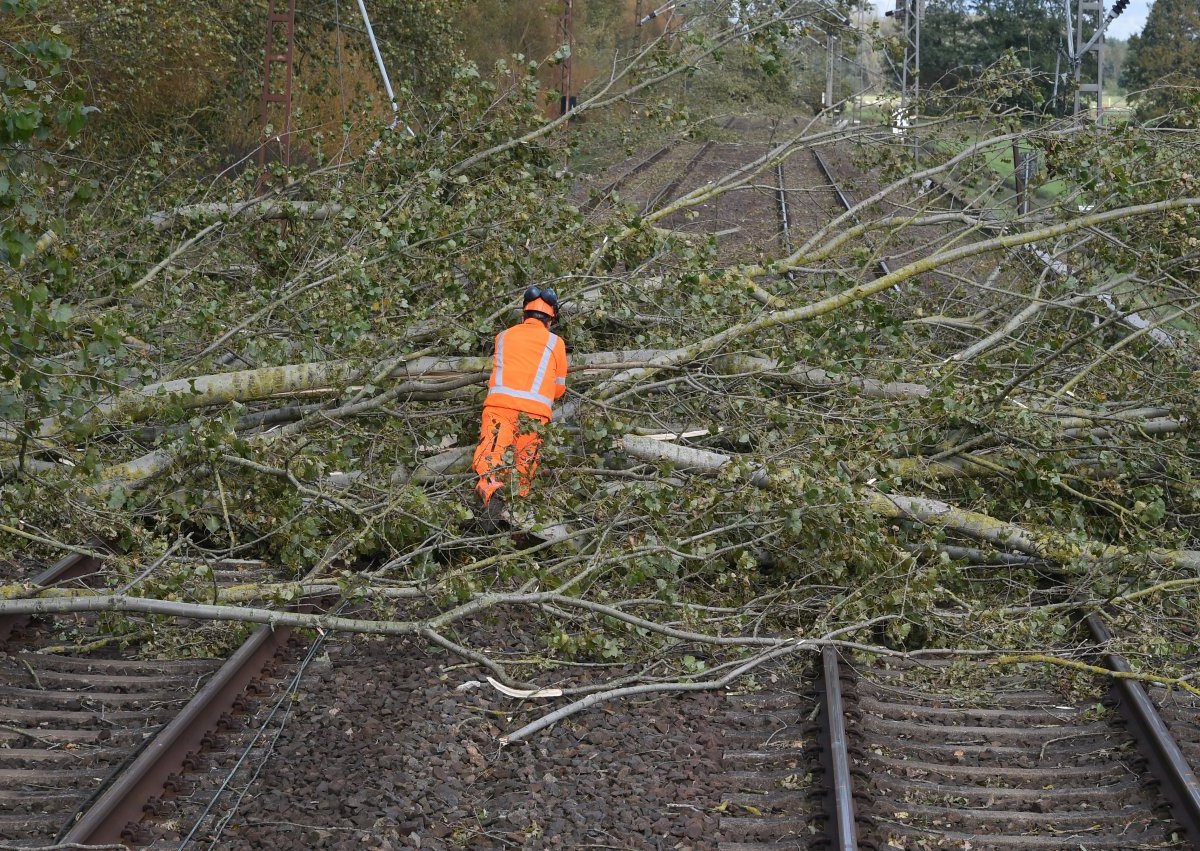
(501, 432)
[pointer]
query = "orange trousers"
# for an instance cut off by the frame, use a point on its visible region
(501, 432)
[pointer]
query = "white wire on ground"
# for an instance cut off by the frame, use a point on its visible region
(223, 822)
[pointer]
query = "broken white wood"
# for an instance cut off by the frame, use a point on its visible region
(1133, 320)
(523, 693)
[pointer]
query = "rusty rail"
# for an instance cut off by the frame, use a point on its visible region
(884, 269)
(615, 184)
(1167, 762)
(835, 755)
(677, 180)
(125, 799)
(785, 218)
(74, 566)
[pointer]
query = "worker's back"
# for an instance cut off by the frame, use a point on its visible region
(529, 371)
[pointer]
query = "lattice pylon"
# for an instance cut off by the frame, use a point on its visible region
(1089, 16)
(908, 16)
(275, 105)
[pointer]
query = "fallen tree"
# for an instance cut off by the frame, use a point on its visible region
(835, 456)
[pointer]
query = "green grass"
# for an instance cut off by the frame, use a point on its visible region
(1000, 166)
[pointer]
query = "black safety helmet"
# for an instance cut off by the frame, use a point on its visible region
(541, 303)
(544, 293)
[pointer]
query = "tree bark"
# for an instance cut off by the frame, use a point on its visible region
(1049, 545)
(263, 208)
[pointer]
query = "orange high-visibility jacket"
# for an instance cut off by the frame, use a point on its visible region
(529, 371)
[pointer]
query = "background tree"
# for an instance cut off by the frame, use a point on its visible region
(1163, 71)
(197, 69)
(960, 39)
(42, 111)
(1116, 52)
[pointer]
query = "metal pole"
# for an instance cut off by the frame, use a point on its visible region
(829, 70)
(1086, 10)
(387, 83)
(863, 74)
(917, 12)
(1054, 95)
(1017, 177)
(1079, 14)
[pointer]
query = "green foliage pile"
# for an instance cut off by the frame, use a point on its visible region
(42, 111)
(422, 246)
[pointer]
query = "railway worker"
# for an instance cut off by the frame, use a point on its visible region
(529, 373)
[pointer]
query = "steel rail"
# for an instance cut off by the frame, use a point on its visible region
(124, 800)
(1167, 762)
(74, 566)
(835, 754)
(678, 179)
(884, 269)
(641, 166)
(612, 186)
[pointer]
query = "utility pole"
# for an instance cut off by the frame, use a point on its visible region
(1024, 166)
(566, 36)
(829, 69)
(861, 60)
(1088, 15)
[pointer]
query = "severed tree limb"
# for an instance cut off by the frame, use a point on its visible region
(1112, 350)
(263, 208)
(803, 375)
(252, 385)
(779, 649)
(1046, 544)
(1075, 665)
(1035, 306)
(240, 593)
(914, 179)
(652, 688)
(857, 293)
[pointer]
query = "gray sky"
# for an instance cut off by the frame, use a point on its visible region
(1131, 20)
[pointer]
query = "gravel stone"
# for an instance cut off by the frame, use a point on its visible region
(385, 752)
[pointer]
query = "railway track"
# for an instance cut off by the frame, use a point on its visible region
(746, 220)
(91, 739)
(888, 753)
(96, 748)
(843, 199)
(1014, 766)
(641, 166)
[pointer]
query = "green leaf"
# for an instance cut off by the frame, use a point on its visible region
(117, 498)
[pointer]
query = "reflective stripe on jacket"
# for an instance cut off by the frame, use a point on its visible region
(529, 370)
